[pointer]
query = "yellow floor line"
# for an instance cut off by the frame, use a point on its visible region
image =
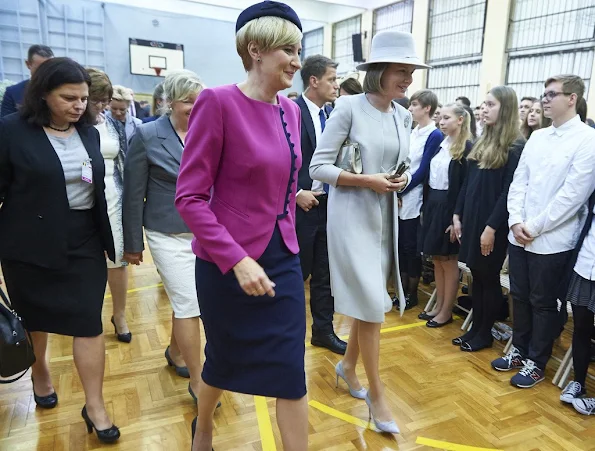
(449, 446)
(264, 424)
(382, 331)
(341, 416)
(133, 290)
(402, 327)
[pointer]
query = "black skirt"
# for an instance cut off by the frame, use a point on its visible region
(581, 292)
(255, 345)
(436, 219)
(66, 301)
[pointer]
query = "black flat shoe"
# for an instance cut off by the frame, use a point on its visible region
(424, 315)
(196, 399)
(457, 341)
(124, 338)
(433, 324)
(45, 402)
(411, 301)
(109, 435)
(472, 347)
(181, 371)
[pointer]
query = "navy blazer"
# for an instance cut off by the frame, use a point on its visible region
(308, 135)
(34, 205)
(13, 98)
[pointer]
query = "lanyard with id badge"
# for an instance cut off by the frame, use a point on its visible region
(87, 174)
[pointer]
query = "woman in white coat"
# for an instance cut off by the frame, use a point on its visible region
(363, 218)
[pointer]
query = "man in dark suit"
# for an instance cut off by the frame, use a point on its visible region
(319, 75)
(13, 96)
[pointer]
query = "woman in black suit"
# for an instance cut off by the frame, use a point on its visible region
(54, 221)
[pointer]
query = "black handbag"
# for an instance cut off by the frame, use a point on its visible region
(16, 348)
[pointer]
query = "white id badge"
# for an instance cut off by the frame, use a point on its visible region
(87, 174)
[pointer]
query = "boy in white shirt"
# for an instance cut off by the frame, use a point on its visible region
(547, 204)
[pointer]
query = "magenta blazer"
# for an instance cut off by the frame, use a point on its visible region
(238, 175)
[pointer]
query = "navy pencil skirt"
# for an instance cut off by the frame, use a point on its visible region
(255, 345)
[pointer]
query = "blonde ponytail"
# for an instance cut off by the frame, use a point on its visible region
(457, 150)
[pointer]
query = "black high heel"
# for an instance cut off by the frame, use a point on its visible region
(194, 432)
(196, 399)
(109, 435)
(181, 371)
(45, 402)
(124, 338)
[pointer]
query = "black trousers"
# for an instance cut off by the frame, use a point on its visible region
(535, 281)
(409, 247)
(581, 341)
(487, 301)
(311, 234)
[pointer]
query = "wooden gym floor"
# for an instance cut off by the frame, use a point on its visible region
(442, 398)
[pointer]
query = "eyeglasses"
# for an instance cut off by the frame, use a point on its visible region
(551, 95)
(98, 102)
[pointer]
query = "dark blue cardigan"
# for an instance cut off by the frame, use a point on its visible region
(430, 150)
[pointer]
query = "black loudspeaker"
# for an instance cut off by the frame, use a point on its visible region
(356, 40)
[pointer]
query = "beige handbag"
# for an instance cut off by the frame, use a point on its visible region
(350, 158)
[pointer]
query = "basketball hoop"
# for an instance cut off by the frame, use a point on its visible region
(157, 71)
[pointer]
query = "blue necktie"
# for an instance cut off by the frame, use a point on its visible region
(322, 116)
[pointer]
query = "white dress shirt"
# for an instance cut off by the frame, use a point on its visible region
(439, 166)
(585, 262)
(315, 114)
(412, 201)
(551, 186)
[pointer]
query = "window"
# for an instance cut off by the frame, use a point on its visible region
(453, 80)
(455, 45)
(549, 39)
(313, 43)
(343, 44)
(397, 17)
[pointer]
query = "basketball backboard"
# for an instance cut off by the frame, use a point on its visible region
(155, 58)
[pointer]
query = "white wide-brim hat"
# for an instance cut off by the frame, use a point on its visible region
(393, 47)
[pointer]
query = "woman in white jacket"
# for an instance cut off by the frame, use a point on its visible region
(362, 222)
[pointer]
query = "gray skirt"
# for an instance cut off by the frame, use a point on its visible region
(581, 292)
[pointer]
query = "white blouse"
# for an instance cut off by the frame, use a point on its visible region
(439, 166)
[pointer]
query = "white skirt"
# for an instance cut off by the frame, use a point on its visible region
(175, 262)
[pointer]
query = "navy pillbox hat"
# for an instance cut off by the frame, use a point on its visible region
(268, 9)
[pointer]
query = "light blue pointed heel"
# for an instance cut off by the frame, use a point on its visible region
(384, 426)
(359, 394)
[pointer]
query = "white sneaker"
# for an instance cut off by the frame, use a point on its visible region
(573, 390)
(586, 406)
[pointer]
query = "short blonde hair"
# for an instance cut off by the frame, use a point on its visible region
(268, 33)
(180, 85)
(122, 94)
(373, 76)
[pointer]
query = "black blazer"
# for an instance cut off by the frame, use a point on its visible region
(308, 139)
(34, 204)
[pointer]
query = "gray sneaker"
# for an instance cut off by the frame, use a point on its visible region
(573, 390)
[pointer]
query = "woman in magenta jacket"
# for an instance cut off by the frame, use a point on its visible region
(236, 191)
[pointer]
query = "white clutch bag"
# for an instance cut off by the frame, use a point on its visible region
(350, 158)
